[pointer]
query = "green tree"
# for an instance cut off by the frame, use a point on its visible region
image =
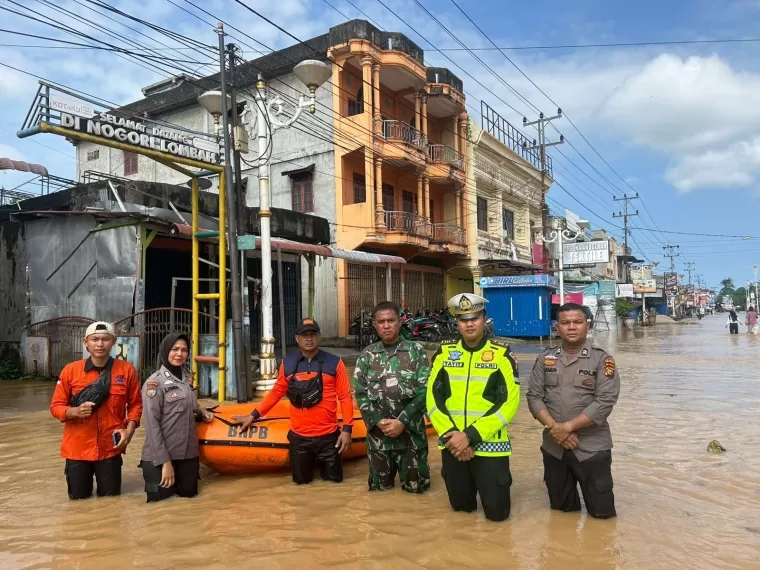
(727, 289)
(740, 297)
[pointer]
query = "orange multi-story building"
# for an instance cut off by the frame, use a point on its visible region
(400, 173)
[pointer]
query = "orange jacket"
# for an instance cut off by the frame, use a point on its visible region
(90, 439)
(322, 419)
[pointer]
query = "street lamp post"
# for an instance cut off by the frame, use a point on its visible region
(311, 73)
(559, 235)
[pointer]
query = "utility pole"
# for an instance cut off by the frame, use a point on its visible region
(625, 214)
(670, 249)
(232, 228)
(541, 145)
(689, 268)
(242, 211)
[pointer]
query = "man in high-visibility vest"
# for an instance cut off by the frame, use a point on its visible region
(472, 396)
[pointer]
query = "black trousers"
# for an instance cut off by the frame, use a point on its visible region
(733, 328)
(107, 474)
(186, 475)
(488, 477)
(562, 477)
(306, 452)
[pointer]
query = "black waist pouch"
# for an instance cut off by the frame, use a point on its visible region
(305, 393)
(97, 392)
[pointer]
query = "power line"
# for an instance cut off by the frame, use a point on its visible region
(606, 45)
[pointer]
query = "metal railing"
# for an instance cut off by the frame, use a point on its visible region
(406, 222)
(441, 154)
(449, 234)
(401, 131)
(495, 124)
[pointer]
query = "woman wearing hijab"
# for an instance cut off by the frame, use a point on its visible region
(170, 461)
(733, 322)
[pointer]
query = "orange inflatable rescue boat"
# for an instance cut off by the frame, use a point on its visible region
(265, 446)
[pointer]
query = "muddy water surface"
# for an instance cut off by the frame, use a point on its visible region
(678, 506)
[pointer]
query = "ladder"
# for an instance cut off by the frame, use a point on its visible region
(221, 359)
(601, 318)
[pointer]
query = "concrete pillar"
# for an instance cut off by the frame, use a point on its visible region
(424, 117)
(418, 112)
(455, 131)
(376, 96)
(426, 196)
(369, 186)
(420, 197)
(476, 275)
(463, 135)
(379, 212)
(458, 207)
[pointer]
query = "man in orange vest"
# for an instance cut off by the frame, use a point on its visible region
(99, 401)
(315, 382)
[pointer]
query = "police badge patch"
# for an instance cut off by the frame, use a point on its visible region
(609, 367)
(151, 392)
(487, 356)
(455, 355)
(550, 361)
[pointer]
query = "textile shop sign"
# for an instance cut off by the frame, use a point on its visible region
(585, 253)
(110, 127)
(519, 281)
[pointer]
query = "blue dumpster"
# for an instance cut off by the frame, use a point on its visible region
(520, 304)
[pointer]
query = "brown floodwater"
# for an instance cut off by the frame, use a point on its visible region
(678, 505)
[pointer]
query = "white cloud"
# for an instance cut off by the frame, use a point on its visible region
(7, 151)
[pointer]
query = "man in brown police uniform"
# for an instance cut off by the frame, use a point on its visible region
(572, 390)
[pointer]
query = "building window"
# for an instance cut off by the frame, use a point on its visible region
(432, 211)
(356, 107)
(508, 217)
(93, 155)
(302, 190)
(360, 189)
(389, 198)
(483, 214)
(409, 202)
(130, 163)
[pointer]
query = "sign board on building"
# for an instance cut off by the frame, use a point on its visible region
(586, 253)
(571, 221)
(641, 272)
(625, 290)
(644, 286)
(519, 281)
(136, 133)
(70, 106)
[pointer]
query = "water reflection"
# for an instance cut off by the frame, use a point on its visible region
(678, 506)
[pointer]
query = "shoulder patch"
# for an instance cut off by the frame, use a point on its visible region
(609, 367)
(152, 384)
(500, 343)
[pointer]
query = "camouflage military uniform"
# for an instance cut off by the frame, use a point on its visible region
(392, 384)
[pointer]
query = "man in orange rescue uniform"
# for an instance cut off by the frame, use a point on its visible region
(99, 401)
(314, 381)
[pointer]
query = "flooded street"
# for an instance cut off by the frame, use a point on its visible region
(678, 506)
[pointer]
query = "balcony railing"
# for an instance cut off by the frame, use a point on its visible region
(406, 222)
(449, 234)
(441, 154)
(401, 131)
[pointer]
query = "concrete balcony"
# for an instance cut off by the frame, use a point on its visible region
(446, 233)
(402, 145)
(445, 93)
(445, 164)
(407, 222)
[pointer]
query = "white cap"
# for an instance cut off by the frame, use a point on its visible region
(467, 306)
(99, 327)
